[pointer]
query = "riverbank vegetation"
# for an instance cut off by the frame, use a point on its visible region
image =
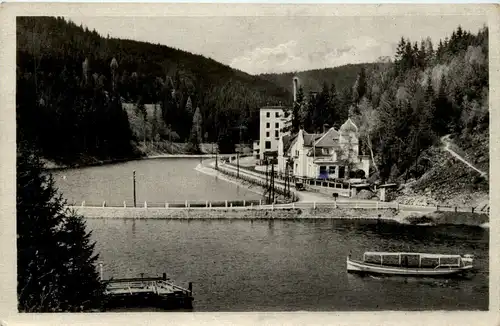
(56, 269)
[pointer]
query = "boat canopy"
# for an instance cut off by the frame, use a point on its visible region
(423, 255)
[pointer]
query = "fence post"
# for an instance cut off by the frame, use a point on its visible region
(260, 202)
(83, 203)
(272, 206)
(293, 205)
(244, 203)
(356, 205)
(104, 204)
(251, 204)
(335, 204)
(206, 203)
(166, 205)
(145, 204)
(210, 204)
(376, 206)
(455, 209)
(226, 203)
(398, 206)
(124, 204)
(231, 204)
(314, 205)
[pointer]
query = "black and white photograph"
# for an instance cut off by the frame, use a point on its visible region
(252, 163)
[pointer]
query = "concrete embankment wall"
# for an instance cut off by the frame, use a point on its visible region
(236, 213)
(267, 213)
(450, 218)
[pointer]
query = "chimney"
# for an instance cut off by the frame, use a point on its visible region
(295, 88)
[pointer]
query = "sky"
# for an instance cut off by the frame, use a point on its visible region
(274, 44)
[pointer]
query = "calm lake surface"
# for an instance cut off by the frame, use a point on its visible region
(260, 265)
(291, 265)
(157, 181)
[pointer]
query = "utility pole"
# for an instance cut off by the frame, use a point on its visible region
(272, 184)
(267, 176)
(238, 163)
(170, 138)
(287, 181)
(133, 174)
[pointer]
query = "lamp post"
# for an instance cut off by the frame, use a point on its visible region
(240, 127)
(133, 175)
(238, 162)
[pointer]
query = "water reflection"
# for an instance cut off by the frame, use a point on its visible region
(270, 226)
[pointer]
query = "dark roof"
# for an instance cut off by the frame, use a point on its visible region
(293, 140)
(287, 142)
(275, 107)
(309, 139)
(328, 139)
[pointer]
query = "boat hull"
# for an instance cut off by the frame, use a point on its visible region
(354, 266)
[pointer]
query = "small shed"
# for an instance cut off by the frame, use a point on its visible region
(382, 189)
(355, 188)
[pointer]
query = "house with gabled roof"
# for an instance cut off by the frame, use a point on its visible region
(329, 155)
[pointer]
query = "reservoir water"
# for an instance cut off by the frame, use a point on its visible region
(291, 265)
(244, 265)
(172, 180)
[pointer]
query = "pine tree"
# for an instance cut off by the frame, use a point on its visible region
(54, 254)
(189, 106)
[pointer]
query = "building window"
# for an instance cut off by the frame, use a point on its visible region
(325, 151)
(277, 125)
(331, 170)
(276, 133)
(268, 114)
(267, 133)
(296, 153)
(277, 114)
(322, 172)
(268, 144)
(268, 125)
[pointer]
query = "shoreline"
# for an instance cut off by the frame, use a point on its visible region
(213, 173)
(423, 219)
(387, 216)
(52, 166)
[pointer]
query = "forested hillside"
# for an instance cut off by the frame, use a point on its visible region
(404, 108)
(71, 83)
(313, 80)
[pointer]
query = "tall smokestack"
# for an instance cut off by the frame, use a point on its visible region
(295, 88)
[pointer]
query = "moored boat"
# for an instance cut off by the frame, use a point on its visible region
(410, 264)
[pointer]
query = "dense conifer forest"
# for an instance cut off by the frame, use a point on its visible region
(405, 105)
(75, 87)
(72, 84)
(74, 81)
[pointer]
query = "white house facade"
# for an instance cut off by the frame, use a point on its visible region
(272, 121)
(330, 155)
